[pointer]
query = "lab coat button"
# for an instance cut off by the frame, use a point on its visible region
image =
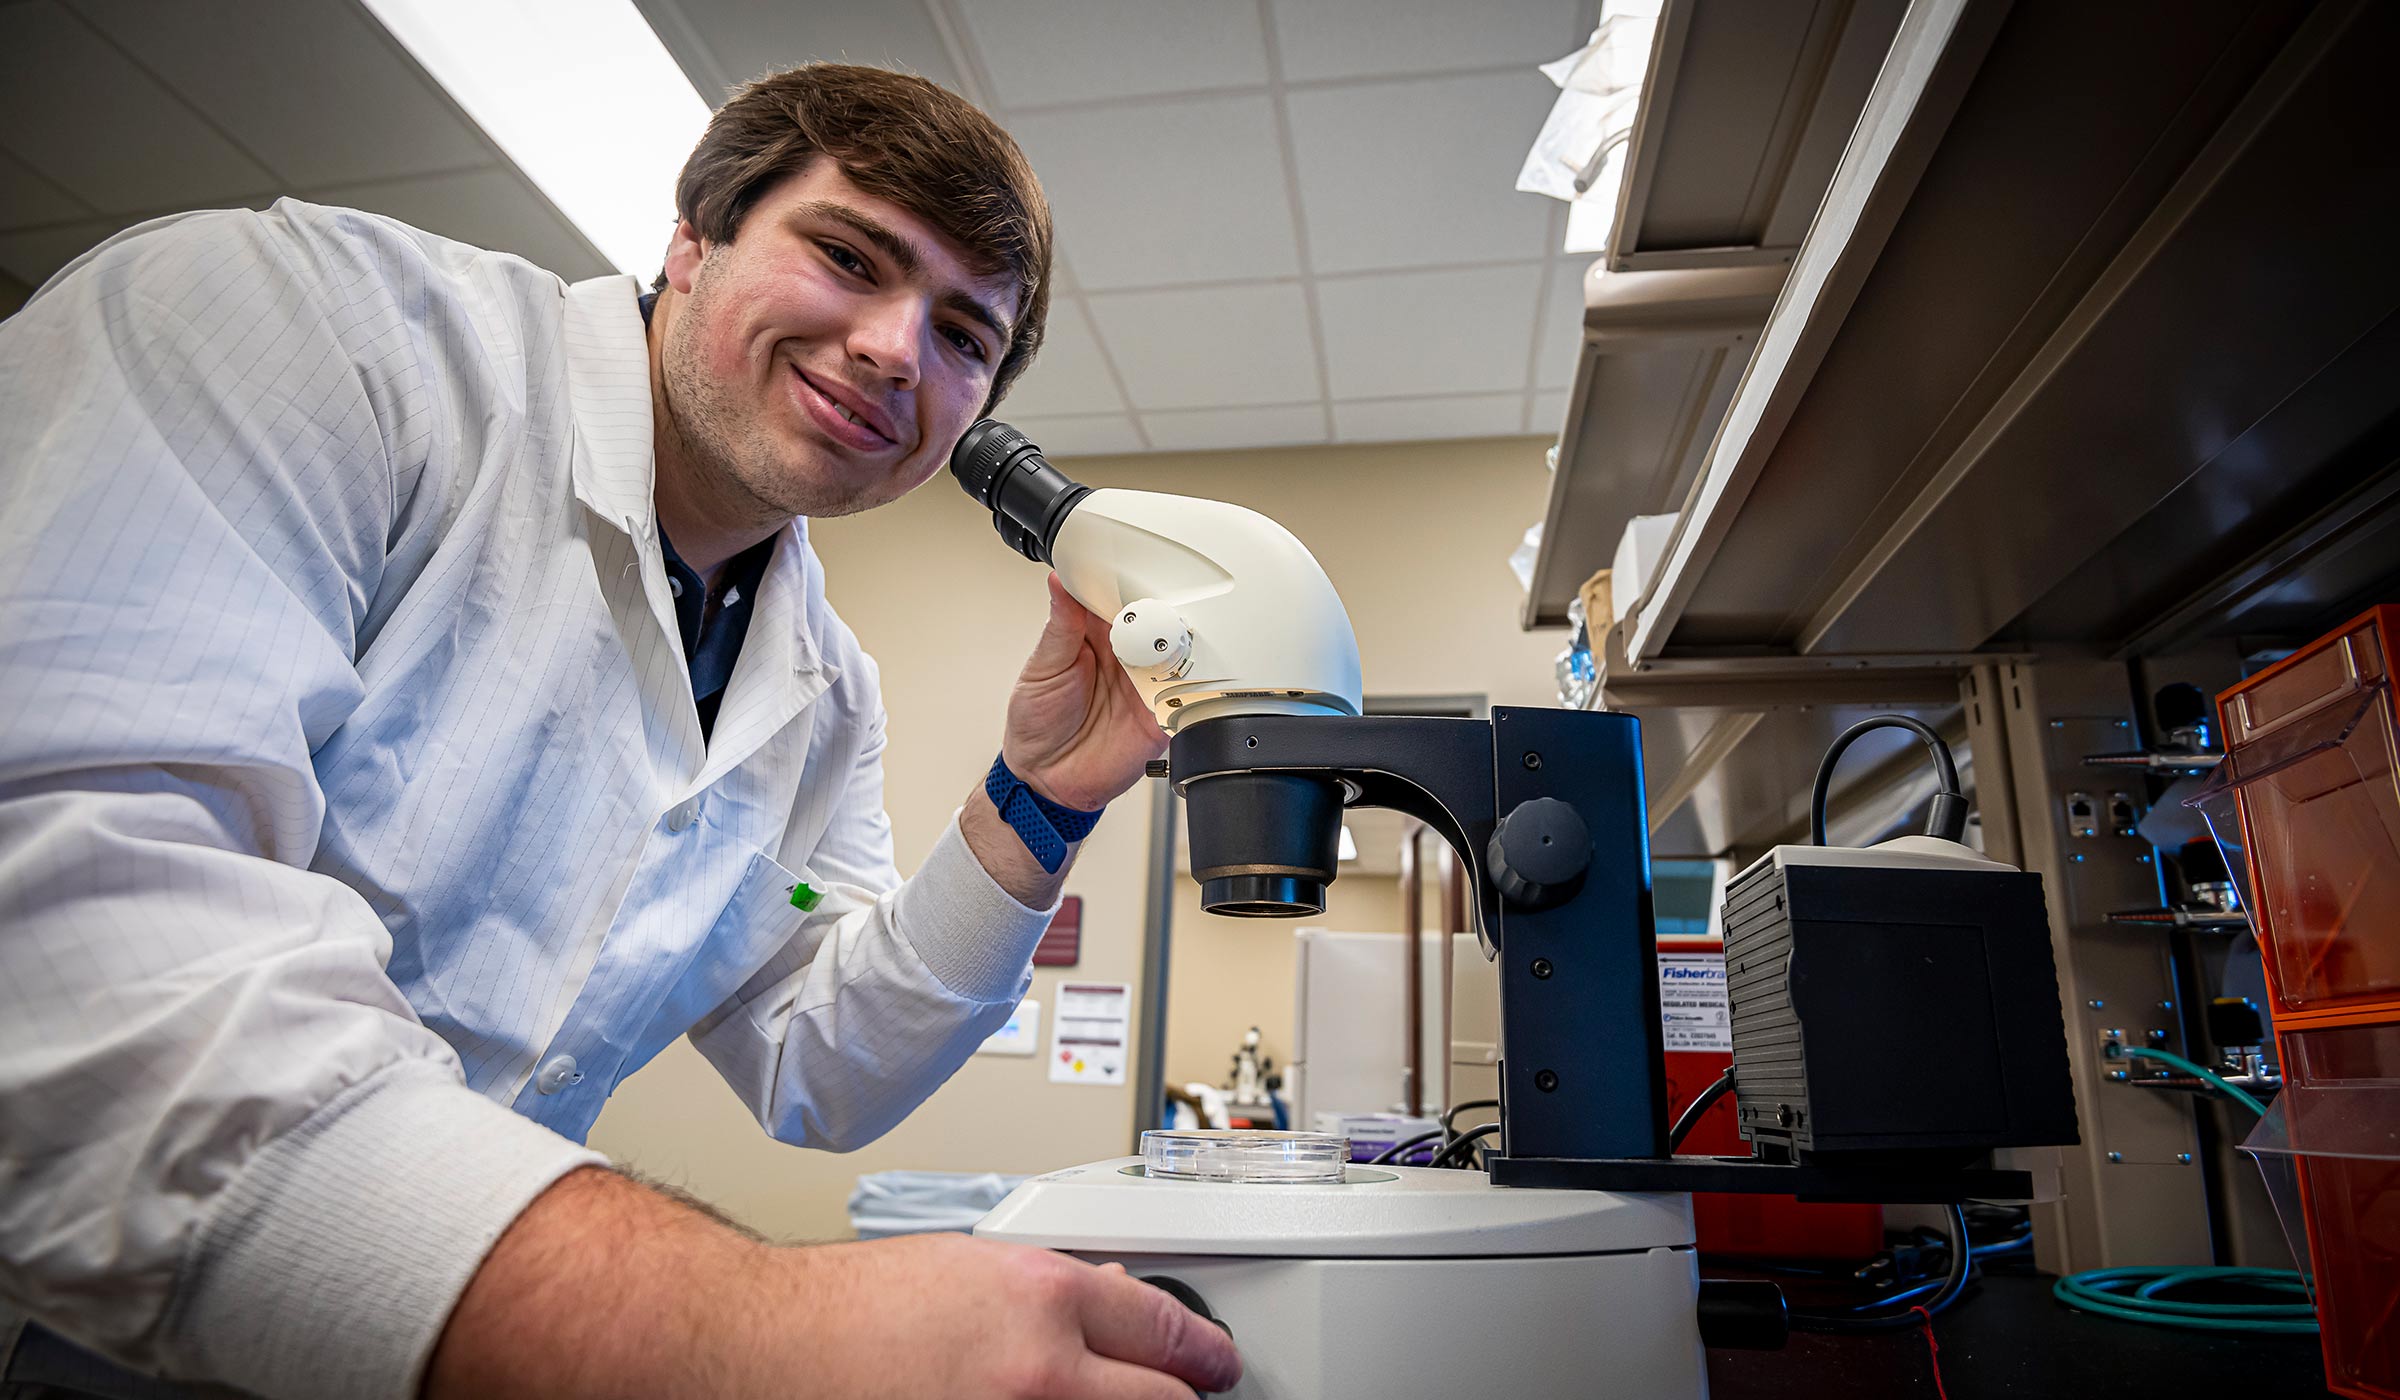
(675, 585)
(683, 815)
(560, 1073)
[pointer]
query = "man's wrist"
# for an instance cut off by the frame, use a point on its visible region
(1048, 828)
(1003, 855)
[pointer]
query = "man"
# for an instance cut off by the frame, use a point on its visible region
(418, 705)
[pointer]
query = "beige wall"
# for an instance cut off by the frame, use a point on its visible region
(1415, 537)
(1227, 975)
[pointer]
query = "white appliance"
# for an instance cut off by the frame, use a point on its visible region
(1349, 1018)
(1377, 1282)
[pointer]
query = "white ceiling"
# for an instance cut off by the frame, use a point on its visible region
(1280, 221)
(115, 111)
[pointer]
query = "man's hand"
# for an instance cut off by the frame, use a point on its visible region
(1078, 732)
(945, 1315)
(604, 1288)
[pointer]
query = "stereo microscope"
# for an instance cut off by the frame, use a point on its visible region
(1568, 1269)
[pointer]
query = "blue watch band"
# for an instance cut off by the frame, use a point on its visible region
(1046, 827)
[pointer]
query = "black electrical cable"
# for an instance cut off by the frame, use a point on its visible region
(1450, 1119)
(1690, 1117)
(1393, 1152)
(1456, 1153)
(1948, 818)
(1863, 1318)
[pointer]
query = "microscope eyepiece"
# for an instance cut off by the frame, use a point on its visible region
(1006, 472)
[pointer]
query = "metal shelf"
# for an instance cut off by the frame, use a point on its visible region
(1746, 108)
(2087, 353)
(2090, 346)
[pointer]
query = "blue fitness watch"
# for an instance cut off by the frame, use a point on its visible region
(1046, 827)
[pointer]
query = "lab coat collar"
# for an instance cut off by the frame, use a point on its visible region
(608, 382)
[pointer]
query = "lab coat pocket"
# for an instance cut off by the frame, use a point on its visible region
(768, 930)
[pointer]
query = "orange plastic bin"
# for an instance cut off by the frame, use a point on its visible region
(2307, 807)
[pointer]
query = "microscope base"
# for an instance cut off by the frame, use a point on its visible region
(1399, 1281)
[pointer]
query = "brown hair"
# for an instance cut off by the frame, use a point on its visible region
(899, 138)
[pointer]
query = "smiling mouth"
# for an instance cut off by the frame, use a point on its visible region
(868, 434)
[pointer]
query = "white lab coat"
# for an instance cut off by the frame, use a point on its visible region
(357, 833)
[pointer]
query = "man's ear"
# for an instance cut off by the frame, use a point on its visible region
(684, 252)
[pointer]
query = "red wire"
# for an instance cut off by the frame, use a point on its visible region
(1934, 1350)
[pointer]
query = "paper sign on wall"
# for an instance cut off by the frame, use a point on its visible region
(1022, 1034)
(1691, 1002)
(1090, 1038)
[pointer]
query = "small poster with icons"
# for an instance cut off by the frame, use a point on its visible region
(1091, 1033)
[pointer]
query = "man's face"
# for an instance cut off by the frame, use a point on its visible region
(827, 359)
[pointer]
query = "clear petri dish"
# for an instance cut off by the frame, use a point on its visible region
(1245, 1155)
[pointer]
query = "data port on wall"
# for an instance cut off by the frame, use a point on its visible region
(2122, 816)
(2083, 815)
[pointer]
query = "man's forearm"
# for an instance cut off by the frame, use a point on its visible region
(602, 1287)
(1002, 853)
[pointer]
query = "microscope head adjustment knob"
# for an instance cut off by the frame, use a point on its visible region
(1539, 853)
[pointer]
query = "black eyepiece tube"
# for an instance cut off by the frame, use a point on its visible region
(1027, 496)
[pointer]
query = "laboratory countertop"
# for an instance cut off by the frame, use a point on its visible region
(2011, 1338)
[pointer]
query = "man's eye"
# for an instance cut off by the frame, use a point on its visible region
(967, 344)
(844, 259)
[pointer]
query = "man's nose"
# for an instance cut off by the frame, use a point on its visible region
(888, 339)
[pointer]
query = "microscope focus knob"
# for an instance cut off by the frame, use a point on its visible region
(1539, 853)
(1151, 640)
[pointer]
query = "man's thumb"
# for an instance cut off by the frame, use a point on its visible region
(1062, 634)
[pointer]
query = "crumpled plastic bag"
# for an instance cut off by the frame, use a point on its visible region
(1520, 559)
(1600, 90)
(884, 1204)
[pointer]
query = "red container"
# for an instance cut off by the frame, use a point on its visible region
(2308, 797)
(1749, 1225)
(2309, 743)
(2348, 1199)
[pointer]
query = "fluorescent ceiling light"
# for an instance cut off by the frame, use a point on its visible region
(580, 94)
(1349, 850)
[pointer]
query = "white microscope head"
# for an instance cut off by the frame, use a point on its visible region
(1213, 609)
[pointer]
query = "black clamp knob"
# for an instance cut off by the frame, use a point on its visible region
(1539, 853)
(1743, 1313)
(1189, 1296)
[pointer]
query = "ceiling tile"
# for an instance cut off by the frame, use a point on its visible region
(1069, 375)
(1213, 347)
(33, 255)
(1562, 325)
(318, 93)
(1184, 190)
(1415, 173)
(1354, 38)
(83, 114)
(1206, 429)
(496, 209)
(1101, 435)
(1549, 412)
(1420, 419)
(28, 197)
(723, 43)
(1429, 332)
(1039, 52)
